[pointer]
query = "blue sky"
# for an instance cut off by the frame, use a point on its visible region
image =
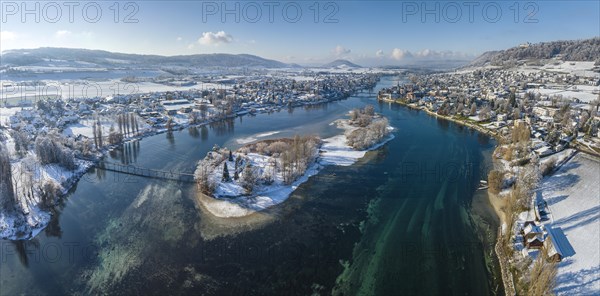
(371, 33)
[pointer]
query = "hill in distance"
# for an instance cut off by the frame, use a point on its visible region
(569, 50)
(341, 64)
(51, 56)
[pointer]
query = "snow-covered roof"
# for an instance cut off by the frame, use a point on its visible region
(530, 228)
(555, 244)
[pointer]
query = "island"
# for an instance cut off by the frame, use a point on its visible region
(264, 173)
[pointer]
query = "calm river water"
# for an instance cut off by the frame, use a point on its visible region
(399, 221)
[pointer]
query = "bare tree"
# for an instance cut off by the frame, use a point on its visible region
(459, 108)
(21, 141)
(114, 137)
(516, 113)
(99, 128)
(194, 117)
(484, 113)
(369, 110)
(49, 149)
(49, 191)
(521, 133)
(203, 179)
(542, 278)
(528, 180)
(7, 192)
(95, 135)
(169, 124)
(495, 179)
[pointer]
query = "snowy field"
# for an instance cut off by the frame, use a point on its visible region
(584, 94)
(574, 68)
(85, 127)
(92, 89)
(573, 197)
(334, 151)
(578, 68)
(5, 113)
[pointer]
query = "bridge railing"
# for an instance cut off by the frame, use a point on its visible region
(146, 172)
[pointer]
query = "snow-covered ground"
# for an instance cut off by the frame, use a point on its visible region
(5, 112)
(578, 68)
(585, 94)
(573, 197)
(85, 127)
(334, 151)
(559, 157)
(92, 89)
(573, 68)
(27, 222)
(262, 198)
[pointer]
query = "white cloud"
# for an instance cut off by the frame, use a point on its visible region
(398, 54)
(444, 54)
(210, 38)
(379, 53)
(425, 53)
(340, 51)
(62, 33)
(7, 35)
(179, 39)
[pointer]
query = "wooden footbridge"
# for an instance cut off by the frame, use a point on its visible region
(146, 172)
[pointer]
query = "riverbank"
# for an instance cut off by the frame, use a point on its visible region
(498, 204)
(463, 122)
(34, 211)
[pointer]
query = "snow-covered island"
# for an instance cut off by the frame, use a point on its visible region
(265, 173)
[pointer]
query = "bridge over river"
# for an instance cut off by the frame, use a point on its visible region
(146, 172)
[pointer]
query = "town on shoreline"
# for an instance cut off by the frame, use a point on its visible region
(51, 142)
(541, 119)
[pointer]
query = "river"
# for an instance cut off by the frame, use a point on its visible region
(399, 221)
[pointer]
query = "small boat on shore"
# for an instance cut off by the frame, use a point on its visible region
(482, 185)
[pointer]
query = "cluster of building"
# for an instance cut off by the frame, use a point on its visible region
(535, 232)
(238, 96)
(495, 99)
